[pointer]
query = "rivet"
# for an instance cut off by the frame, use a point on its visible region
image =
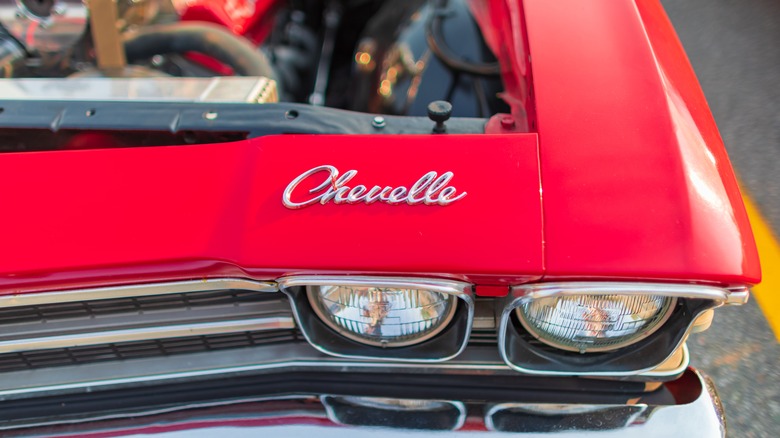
(378, 122)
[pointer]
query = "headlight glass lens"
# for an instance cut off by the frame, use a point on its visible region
(386, 317)
(592, 323)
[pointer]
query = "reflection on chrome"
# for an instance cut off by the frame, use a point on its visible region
(396, 413)
(518, 418)
(588, 323)
(354, 416)
(387, 317)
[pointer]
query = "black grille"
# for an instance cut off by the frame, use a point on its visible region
(131, 305)
(94, 316)
(143, 349)
(167, 347)
(484, 337)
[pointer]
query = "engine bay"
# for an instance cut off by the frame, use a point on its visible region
(385, 58)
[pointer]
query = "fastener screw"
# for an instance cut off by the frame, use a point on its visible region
(378, 122)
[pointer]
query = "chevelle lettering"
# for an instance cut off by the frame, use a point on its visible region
(430, 189)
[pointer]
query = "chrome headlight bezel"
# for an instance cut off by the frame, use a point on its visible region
(440, 346)
(642, 355)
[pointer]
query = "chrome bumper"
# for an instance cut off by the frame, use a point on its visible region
(696, 411)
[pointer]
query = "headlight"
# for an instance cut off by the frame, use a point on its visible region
(383, 316)
(592, 323)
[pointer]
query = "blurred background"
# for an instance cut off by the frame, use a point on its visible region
(734, 47)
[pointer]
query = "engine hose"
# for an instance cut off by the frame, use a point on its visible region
(434, 35)
(209, 39)
(11, 52)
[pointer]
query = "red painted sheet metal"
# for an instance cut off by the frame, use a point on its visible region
(112, 216)
(636, 180)
(252, 19)
(502, 23)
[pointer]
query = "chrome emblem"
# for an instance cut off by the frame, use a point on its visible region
(430, 189)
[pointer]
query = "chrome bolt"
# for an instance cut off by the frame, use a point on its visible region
(378, 122)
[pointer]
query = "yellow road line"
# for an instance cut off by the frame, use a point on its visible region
(767, 294)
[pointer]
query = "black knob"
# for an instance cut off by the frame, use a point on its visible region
(439, 111)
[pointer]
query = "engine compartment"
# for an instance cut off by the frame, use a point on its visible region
(370, 56)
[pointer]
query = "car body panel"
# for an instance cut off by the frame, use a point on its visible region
(217, 210)
(636, 180)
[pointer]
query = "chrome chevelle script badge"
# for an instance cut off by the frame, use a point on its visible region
(430, 189)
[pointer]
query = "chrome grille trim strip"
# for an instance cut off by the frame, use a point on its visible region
(266, 359)
(444, 286)
(738, 296)
(542, 290)
(134, 290)
(146, 333)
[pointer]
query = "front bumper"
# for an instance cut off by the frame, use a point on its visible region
(344, 408)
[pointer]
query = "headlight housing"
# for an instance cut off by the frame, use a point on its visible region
(383, 316)
(625, 328)
(594, 323)
(400, 319)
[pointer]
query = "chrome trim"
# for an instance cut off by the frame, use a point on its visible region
(268, 359)
(134, 290)
(738, 296)
(460, 289)
(334, 417)
(148, 412)
(551, 409)
(146, 333)
(453, 287)
(684, 363)
(520, 294)
(191, 90)
(699, 416)
(542, 290)
(430, 189)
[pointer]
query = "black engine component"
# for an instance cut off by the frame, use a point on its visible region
(294, 50)
(404, 61)
(210, 39)
(11, 53)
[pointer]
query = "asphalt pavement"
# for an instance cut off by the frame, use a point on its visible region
(734, 46)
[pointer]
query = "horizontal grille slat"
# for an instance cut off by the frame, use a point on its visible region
(143, 349)
(483, 338)
(130, 305)
(40, 325)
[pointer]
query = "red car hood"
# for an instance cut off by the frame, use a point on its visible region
(208, 210)
(635, 182)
